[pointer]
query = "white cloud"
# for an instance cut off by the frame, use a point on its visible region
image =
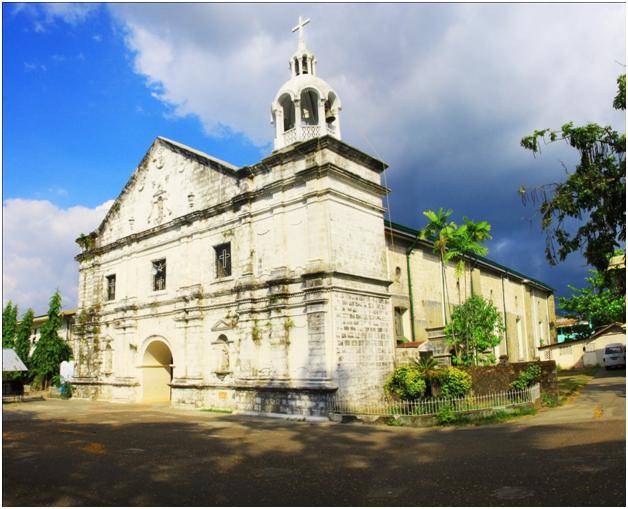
(72, 13)
(44, 15)
(414, 79)
(38, 250)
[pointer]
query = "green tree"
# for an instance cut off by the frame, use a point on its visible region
(597, 303)
(22, 340)
(452, 241)
(476, 327)
(51, 350)
(9, 325)
(594, 194)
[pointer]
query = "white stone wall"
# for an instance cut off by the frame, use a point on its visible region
(307, 241)
(528, 310)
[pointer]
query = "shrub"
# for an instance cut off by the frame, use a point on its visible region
(454, 383)
(405, 383)
(526, 377)
(548, 400)
(446, 415)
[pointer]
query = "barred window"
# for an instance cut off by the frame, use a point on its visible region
(223, 260)
(111, 287)
(159, 275)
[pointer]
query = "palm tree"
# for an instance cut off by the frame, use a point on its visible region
(428, 368)
(454, 243)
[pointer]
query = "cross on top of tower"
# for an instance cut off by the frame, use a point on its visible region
(299, 27)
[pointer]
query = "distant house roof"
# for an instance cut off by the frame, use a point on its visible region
(44, 318)
(617, 262)
(613, 327)
(568, 322)
(11, 362)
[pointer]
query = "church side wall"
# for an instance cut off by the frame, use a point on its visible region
(528, 311)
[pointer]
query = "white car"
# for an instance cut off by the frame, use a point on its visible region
(614, 355)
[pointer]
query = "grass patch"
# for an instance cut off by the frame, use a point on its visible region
(217, 410)
(571, 381)
(494, 417)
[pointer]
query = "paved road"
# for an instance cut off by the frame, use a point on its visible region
(93, 453)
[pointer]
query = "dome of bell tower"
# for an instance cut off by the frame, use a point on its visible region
(306, 106)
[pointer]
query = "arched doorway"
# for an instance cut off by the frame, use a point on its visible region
(157, 367)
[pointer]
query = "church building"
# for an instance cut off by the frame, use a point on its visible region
(268, 288)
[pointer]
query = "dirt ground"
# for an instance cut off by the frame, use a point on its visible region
(94, 453)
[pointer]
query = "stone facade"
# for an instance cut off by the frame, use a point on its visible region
(265, 288)
(304, 309)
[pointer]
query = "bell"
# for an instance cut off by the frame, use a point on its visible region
(329, 116)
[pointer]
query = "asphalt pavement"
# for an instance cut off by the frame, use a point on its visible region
(104, 454)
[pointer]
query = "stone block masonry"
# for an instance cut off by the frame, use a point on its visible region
(364, 345)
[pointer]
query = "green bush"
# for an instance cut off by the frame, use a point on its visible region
(446, 415)
(526, 377)
(548, 400)
(454, 383)
(405, 383)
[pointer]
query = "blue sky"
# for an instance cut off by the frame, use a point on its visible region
(443, 93)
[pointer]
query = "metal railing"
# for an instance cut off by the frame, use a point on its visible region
(432, 406)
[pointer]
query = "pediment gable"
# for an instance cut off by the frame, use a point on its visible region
(221, 325)
(172, 180)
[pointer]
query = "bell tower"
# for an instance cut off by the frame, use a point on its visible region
(306, 106)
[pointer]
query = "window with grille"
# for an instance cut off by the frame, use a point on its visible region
(111, 287)
(223, 260)
(159, 275)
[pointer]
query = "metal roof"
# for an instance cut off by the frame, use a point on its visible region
(11, 362)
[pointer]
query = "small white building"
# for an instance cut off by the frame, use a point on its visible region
(65, 331)
(584, 352)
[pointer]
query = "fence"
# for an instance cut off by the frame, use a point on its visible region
(431, 406)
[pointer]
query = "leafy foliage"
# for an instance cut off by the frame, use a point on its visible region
(51, 350)
(598, 303)
(405, 383)
(548, 400)
(427, 366)
(526, 377)
(429, 370)
(452, 241)
(9, 325)
(593, 194)
(476, 327)
(454, 383)
(22, 340)
(446, 415)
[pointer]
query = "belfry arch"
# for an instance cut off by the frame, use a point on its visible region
(309, 106)
(287, 108)
(157, 364)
